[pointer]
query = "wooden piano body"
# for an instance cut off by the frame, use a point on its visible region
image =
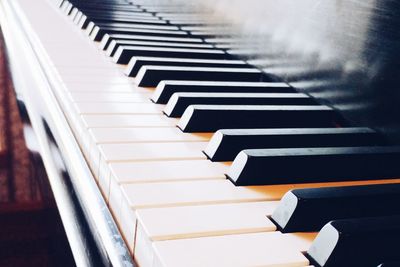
(342, 53)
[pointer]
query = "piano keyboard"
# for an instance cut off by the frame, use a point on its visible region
(203, 159)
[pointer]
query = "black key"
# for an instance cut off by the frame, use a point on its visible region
(129, 25)
(152, 75)
(308, 210)
(107, 7)
(125, 53)
(166, 89)
(226, 144)
(107, 11)
(99, 19)
(112, 48)
(118, 15)
(210, 34)
(108, 38)
(178, 103)
(137, 62)
(98, 32)
(311, 165)
(86, 19)
(357, 242)
(210, 118)
(390, 264)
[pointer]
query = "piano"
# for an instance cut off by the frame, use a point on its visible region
(215, 133)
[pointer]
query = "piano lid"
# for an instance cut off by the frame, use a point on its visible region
(342, 52)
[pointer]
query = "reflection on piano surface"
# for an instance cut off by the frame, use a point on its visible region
(31, 231)
(221, 133)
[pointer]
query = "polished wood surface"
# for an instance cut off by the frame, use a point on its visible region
(31, 232)
(344, 53)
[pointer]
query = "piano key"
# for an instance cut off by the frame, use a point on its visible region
(104, 87)
(259, 249)
(109, 8)
(156, 171)
(102, 71)
(170, 9)
(109, 97)
(303, 210)
(86, 18)
(165, 89)
(178, 103)
(125, 53)
(144, 135)
(189, 193)
(98, 32)
(226, 144)
(87, 78)
(149, 172)
(73, 13)
(152, 151)
(206, 220)
(131, 120)
(357, 242)
(192, 22)
(67, 8)
(196, 192)
(102, 19)
(389, 264)
(202, 18)
(117, 13)
(225, 27)
(134, 25)
(112, 48)
(121, 108)
(108, 38)
(210, 118)
(77, 17)
(198, 221)
(112, 11)
(207, 192)
(172, 170)
(137, 62)
(99, 18)
(104, 154)
(270, 166)
(150, 76)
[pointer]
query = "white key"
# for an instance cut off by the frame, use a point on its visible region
(131, 120)
(127, 199)
(167, 171)
(109, 97)
(259, 249)
(141, 152)
(145, 135)
(117, 108)
(162, 171)
(199, 221)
